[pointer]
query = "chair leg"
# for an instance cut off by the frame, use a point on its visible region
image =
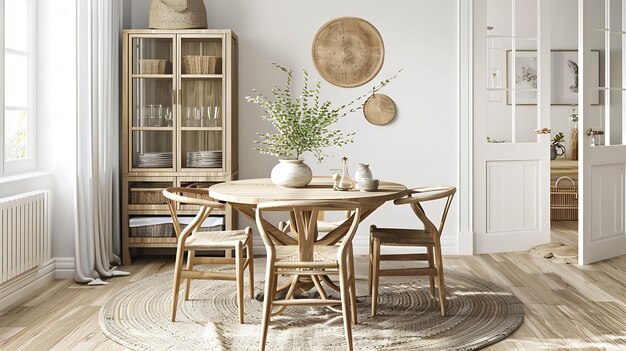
(370, 262)
(442, 286)
(375, 274)
(239, 274)
(178, 267)
(344, 286)
(250, 255)
(431, 264)
(267, 302)
(190, 258)
(352, 281)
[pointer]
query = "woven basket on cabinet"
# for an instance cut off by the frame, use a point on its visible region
(177, 14)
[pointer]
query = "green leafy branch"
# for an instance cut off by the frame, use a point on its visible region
(304, 122)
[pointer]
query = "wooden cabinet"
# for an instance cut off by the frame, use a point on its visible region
(179, 124)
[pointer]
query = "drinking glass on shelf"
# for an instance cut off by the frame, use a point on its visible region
(189, 116)
(169, 122)
(146, 116)
(157, 115)
(208, 122)
(199, 113)
(216, 115)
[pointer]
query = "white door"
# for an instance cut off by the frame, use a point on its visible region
(603, 153)
(511, 102)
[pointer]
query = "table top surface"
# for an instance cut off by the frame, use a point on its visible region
(255, 191)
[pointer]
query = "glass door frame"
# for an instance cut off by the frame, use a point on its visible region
(131, 77)
(179, 91)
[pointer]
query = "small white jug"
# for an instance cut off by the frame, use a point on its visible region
(363, 171)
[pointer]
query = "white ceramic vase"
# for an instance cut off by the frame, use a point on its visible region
(291, 174)
(363, 171)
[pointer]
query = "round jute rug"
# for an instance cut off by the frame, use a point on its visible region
(478, 314)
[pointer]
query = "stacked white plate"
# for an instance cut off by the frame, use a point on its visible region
(154, 160)
(204, 159)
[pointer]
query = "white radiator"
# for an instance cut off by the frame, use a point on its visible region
(24, 233)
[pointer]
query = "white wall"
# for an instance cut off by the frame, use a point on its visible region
(419, 148)
(56, 113)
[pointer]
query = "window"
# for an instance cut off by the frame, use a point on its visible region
(18, 78)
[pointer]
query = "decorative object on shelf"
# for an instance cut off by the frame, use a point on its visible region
(196, 64)
(303, 123)
(573, 135)
(363, 171)
(556, 148)
(177, 14)
(366, 184)
(348, 51)
(152, 66)
(345, 183)
(564, 76)
(291, 174)
(379, 109)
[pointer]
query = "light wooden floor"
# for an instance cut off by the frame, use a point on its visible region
(567, 307)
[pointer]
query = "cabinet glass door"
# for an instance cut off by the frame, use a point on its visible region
(153, 108)
(201, 109)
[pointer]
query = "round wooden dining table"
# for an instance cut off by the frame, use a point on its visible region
(244, 195)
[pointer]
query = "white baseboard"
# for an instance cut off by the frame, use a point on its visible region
(22, 288)
(64, 267)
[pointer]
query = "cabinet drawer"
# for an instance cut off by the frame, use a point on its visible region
(147, 194)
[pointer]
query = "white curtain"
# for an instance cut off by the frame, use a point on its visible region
(97, 163)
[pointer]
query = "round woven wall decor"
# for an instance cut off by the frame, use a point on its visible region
(379, 109)
(348, 51)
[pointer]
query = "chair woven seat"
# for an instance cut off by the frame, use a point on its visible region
(216, 240)
(403, 237)
(323, 257)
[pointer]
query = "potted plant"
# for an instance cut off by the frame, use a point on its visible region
(556, 148)
(303, 124)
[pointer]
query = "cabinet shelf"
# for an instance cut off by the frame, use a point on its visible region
(152, 76)
(164, 129)
(202, 128)
(201, 76)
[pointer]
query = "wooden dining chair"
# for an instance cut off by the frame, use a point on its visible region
(190, 240)
(308, 258)
(429, 237)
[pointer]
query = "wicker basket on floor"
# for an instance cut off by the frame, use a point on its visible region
(564, 201)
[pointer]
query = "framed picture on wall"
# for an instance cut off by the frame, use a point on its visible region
(525, 77)
(564, 66)
(564, 74)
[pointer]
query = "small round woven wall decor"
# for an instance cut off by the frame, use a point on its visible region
(348, 51)
(379, 109)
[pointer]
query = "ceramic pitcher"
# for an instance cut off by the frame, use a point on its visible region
(363, 171)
